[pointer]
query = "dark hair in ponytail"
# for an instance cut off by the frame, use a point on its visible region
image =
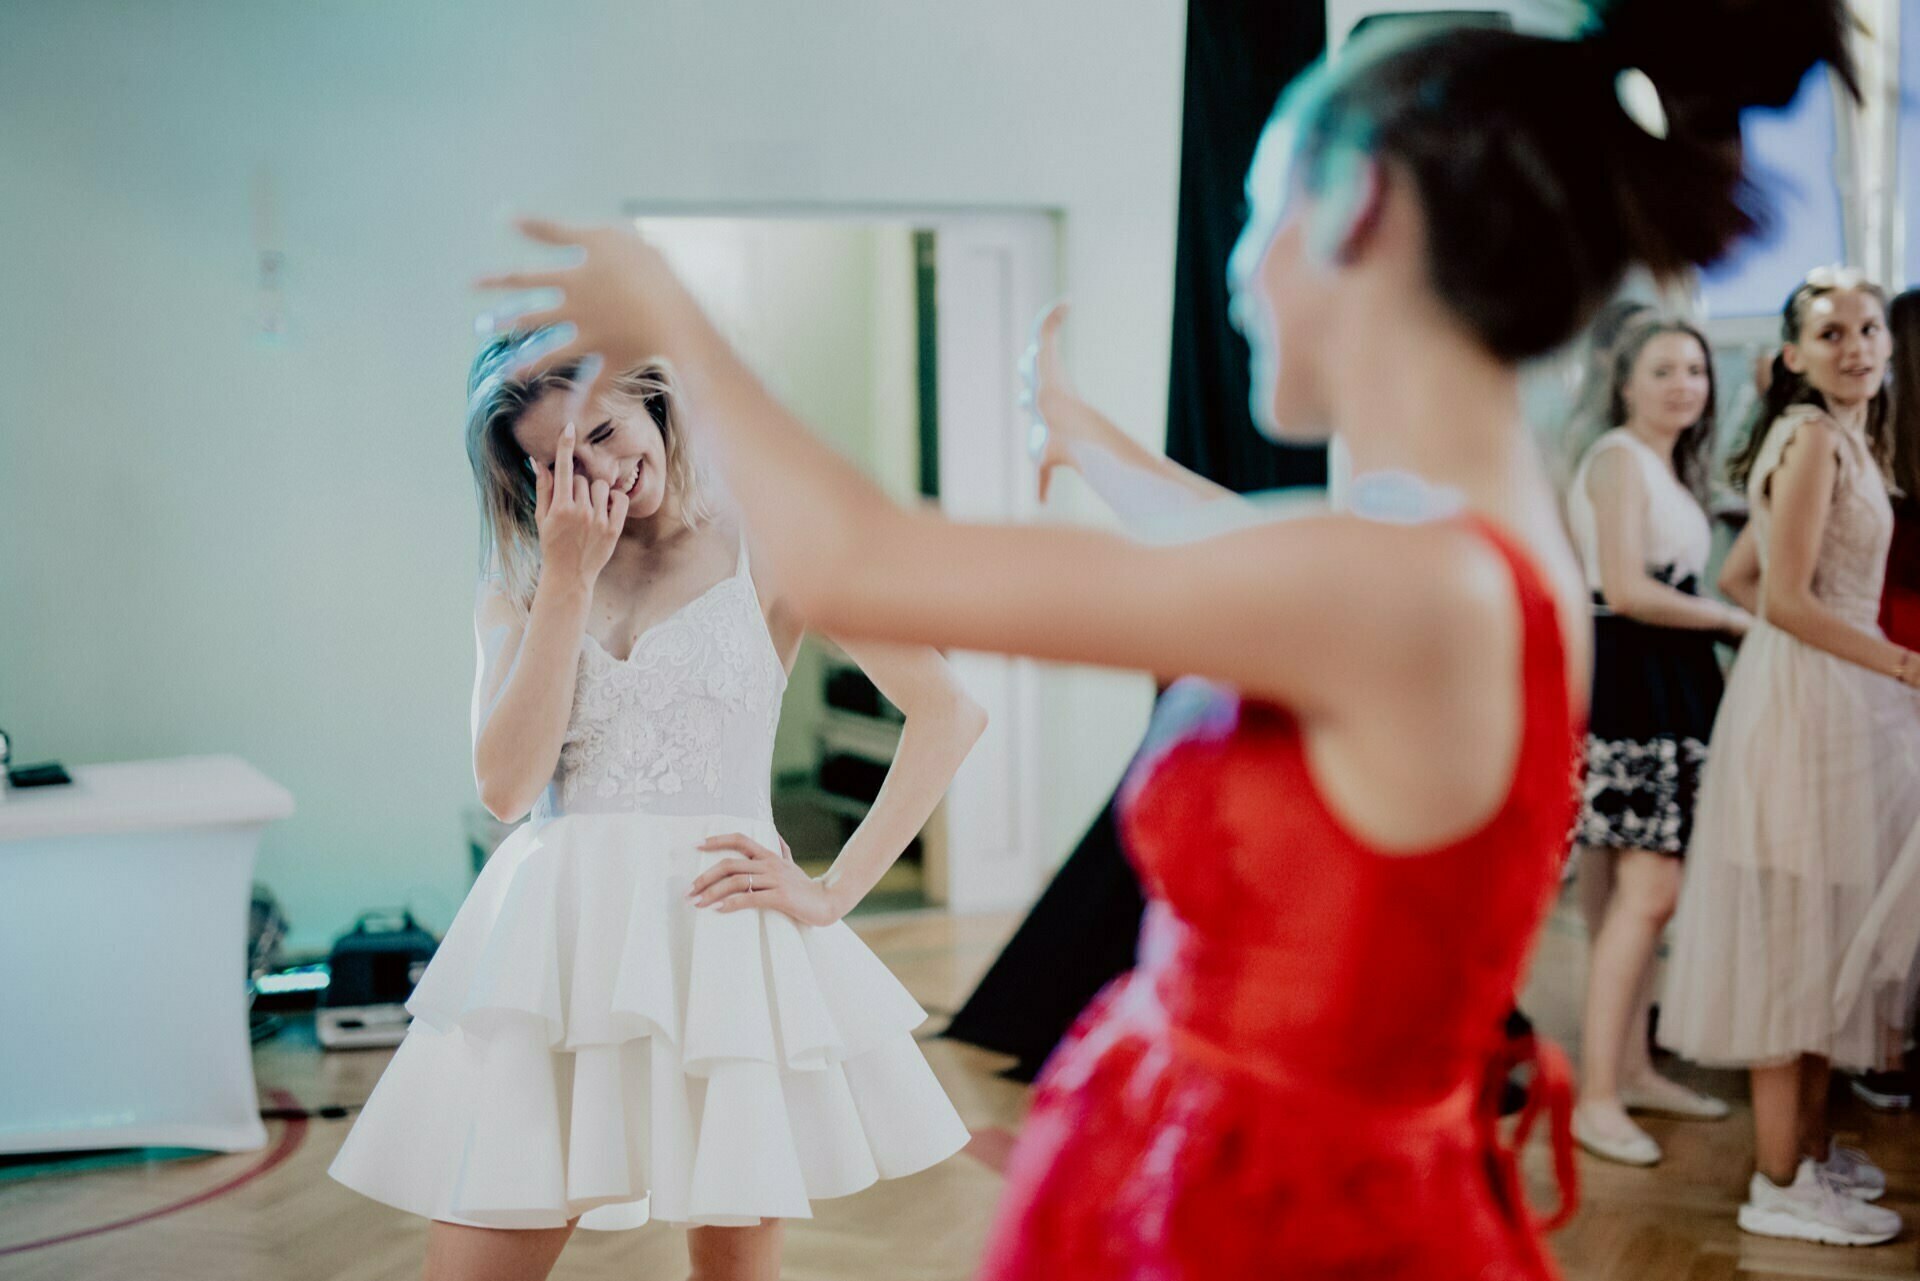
(1786, 389)
(1539, 191)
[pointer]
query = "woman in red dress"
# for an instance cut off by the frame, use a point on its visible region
(1351, 828)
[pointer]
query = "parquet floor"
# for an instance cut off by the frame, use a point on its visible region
(1672, 1223)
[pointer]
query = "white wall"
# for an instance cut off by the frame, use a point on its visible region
(213, 543)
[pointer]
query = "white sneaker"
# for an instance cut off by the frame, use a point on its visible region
(1613, 1137)
(1812, 1209)
(1852, 1172)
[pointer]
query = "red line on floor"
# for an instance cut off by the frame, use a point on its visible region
(991, 1147)
(292, 1135)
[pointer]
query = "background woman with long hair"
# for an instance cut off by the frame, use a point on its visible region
(1637, 521)
(1795, 942)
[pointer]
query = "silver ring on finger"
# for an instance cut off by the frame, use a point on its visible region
(751, 886)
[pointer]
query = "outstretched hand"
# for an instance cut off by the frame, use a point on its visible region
(621, 299)
(1059, 417)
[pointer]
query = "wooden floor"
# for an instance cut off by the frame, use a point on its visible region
(1672, 1223)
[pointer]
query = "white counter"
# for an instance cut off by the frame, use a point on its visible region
(123, 935)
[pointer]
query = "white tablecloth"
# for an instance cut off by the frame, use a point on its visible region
(123, 936)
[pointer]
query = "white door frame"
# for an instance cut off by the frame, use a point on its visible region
(995, 269)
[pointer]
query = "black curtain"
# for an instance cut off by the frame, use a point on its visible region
(1240, 55)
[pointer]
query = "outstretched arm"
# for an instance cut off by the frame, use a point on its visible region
(1143, 488)
(1317, 612)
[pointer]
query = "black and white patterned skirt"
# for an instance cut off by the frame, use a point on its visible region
(1655, 693)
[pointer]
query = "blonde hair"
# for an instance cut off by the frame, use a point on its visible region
(502, 480)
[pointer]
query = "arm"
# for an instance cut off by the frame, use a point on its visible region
(1802, 499)
(523, 693)
(1137, 484)
(1314, 612)
(523, 689)
(1619, 494)
(941, 728)
(1740, 573)
(1385, 640)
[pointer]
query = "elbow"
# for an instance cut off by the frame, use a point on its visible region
(969, 720)
(1739, 587)
(508, 809)
(1623, 601)
(1786, 610)
(505, 802)
(507, 813)
(952, 718)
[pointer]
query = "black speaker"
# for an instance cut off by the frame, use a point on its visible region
(371, 973)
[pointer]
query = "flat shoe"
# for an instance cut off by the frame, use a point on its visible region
(1635, 1149)
(1688, 1105)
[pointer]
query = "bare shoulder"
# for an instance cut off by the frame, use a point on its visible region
(1812, 424)
(1614, 471)
(1408, 593)
(495, 606)
(1813, 440)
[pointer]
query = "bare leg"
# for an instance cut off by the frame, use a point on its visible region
(1593, 883)
(736, 1254)
(1636, 1061)
(1816, 1081)
(1645, 887)
(1593, 889)
(456, 1252)
(1777, 1137)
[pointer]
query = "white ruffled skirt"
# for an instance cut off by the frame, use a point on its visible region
(588, 1043)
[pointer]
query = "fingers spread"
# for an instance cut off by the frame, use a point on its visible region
(520, 280)
(540, 360)
(548, 231)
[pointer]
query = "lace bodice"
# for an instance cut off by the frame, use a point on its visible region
(684, 724)
(1852, 565)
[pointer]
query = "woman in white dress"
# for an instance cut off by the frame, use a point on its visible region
(645, 1009)
(1635, 514)
(1795, 940)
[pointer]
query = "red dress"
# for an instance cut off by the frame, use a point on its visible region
(1300, 1079)
(1900, 602)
